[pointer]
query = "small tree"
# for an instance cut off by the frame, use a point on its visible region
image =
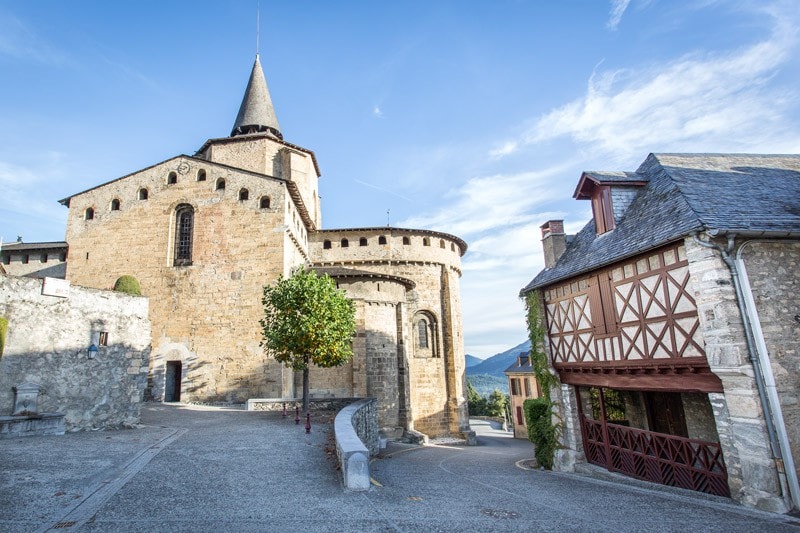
(475, 402)
(307, 320)
(128, 285)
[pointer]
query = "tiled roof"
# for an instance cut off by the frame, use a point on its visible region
(352, 273)
(685, 193)
(20, 246)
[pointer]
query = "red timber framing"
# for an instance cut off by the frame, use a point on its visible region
(631, 326)
(656, 457)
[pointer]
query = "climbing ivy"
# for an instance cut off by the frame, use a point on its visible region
(542, 432)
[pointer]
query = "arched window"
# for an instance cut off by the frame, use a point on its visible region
(244, 194)
(452, 247)
(362, 241)
(88, 214)
(115, 204)
(220, 184)
(184, 228)
(425, 332)
(381, 240)
(345, 243)
(406, 241)
(426, 241)
(201, 175)
(441, 243)
(326, 245)
(264, 202)
(172, 179)
(142, 194)
(422, 333)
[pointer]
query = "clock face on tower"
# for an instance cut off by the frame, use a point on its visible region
(183, 168)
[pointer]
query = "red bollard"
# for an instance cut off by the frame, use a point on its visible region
(308, 422)
(284, 409)
(297, 415)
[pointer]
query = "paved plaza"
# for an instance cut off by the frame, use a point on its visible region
(197, 469)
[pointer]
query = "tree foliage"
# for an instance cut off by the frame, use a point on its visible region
(3, 331)
(494, 405)
(307, 320)
(128, 285)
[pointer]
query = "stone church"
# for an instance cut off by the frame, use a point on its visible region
(204, 233)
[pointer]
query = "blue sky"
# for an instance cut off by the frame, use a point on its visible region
(472, 118)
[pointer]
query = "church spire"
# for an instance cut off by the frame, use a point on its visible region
(256, 113)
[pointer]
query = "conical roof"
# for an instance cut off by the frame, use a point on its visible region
(256, 113)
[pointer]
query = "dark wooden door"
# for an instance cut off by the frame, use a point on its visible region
(665, 413)
(172, 385)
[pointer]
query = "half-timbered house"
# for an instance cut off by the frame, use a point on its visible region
(673, 324)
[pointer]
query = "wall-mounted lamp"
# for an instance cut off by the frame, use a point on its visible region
(92, 351)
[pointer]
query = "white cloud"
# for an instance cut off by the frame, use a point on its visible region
(504, 149)
(618, 8)
(491, 202)
(699, 102)
(20, 42)
(377, 112)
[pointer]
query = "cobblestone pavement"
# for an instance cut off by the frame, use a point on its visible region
(195, 469)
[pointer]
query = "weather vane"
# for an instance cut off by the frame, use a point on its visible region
(387, 218)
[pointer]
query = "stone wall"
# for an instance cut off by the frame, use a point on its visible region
(773, 269)
(47, 344)
(36, 262)
(738, 414)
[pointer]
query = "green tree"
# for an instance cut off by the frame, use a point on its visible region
(128, 285)
(496, 404)
(307, 320)
(475, 402)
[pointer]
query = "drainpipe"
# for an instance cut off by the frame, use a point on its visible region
(760, 362)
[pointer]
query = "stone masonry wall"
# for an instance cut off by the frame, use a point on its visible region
(47, 344)
(738, 414)
(773, 269)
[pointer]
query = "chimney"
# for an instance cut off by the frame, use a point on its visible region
(554, 241)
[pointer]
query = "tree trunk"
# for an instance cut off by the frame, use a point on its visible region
(305, 388)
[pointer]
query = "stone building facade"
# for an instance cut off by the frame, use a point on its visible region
(204, 233)
(672, 324)
(35, 260)
(48, 344)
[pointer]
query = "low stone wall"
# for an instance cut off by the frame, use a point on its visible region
(315, 404)
(48, 342)
(356, 431)
(34, 425)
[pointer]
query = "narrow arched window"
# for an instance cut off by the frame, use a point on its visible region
(143, 194)
(115, 204)
(220, 184)
(426, 241)
(264, 202)
(362, 241)
(422, 333)
(406, 241)
(172, 178)
(201, 175)
(381, 240)
(88, 214)
(184, 228)
(345, 243)
(441, 243)
(326, 245)
(452, 247)
(244, 194)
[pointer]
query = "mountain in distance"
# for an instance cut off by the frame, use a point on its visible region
(487, 375)
(471, 360)
(496, 364)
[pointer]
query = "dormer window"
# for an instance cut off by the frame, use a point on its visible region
(602, 209)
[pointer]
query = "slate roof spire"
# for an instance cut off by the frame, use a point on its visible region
(256, 113)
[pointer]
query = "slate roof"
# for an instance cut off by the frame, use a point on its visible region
(22, 246)
(516, 368)
(745, 194)
(256, 110)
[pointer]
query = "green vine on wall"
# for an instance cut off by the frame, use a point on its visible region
(542, 432)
